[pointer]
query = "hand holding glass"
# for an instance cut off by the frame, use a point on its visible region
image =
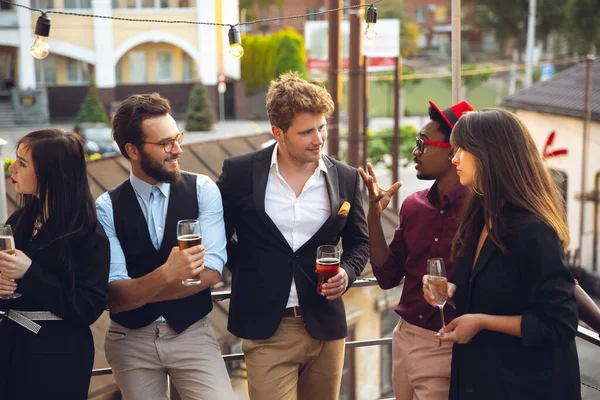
(328, 264)
(7, 245)
(438, 285)
(188, 235)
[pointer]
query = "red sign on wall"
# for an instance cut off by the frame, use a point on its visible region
(548, 152)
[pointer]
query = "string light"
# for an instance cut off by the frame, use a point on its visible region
(371, 19)
(40, 48)
(235, 42)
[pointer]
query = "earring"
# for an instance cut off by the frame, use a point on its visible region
(476, 191)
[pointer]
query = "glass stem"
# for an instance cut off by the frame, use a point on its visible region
(442, 314)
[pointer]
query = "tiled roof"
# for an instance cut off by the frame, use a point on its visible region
(562, 94)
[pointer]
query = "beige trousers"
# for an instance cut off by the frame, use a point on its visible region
(292, 365)
(421, 364)
(142, 358)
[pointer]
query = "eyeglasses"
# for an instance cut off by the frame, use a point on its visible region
(422, 143)
(169, 143)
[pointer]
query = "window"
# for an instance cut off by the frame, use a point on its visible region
(42, 4)
(441, 13)
(188, 68)
(78, 3)
(348, 389)
(138, 70)
(45, 71)
(147, 4)
(420, 17)
(118, 72)
(164, 66)
(389, 320)
(77, 72)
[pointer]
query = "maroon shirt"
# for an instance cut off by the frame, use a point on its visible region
(426, 231)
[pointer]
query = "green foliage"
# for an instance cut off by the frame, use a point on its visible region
(267, 57)
(471, 81)
(7, 163)
(409, 31)
(379, 147)
(92, 109)
(199, 115)
(252, 7)
(581, 26)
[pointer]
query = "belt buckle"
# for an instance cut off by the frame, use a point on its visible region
(297, 312)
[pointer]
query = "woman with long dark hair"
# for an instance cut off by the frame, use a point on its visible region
(60, 269)
(517, 315)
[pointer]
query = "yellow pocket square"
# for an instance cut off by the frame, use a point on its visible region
(344, 209)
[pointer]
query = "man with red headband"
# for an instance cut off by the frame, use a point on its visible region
(428, 222)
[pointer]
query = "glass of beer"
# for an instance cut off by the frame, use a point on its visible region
(328, 264)
(188, 235)
(7, 245)
(438, 285)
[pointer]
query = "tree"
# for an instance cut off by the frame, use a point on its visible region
(251, 7)
(379, 147)
(199, 115)
(92, 109)
(582, 26)
(409, 31)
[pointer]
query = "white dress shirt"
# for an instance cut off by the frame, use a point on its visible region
(297, 218)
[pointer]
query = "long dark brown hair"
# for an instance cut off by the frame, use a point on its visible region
(509, 170)
(64, 202)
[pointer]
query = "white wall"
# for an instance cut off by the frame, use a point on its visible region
(569, 135)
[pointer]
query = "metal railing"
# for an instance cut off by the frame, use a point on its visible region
(582, 332)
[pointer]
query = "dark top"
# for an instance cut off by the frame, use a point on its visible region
(142, 257)
(426, 230)
(532, 280)
(262, 263)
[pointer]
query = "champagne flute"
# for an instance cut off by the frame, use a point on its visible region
(438, 285)
(188, 235)
(7, 245)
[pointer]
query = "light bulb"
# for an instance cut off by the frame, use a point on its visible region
(40, 48)
(236, 50)
(235, 42)
(370, 32)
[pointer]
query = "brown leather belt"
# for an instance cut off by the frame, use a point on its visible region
(292, 312)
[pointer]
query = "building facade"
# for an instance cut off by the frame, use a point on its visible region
(121, 57)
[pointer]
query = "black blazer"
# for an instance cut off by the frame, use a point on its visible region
(57, 362)
(532, 280)
(262, 263)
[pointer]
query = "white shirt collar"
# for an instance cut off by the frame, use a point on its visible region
(275, 162)
(144, 189)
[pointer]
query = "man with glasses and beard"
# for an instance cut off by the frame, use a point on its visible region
(428, 222)
(159, 326)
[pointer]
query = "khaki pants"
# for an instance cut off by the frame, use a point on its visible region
(421, 364)
(142, 358)
(292, 365)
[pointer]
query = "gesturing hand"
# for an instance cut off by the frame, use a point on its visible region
(378, 197)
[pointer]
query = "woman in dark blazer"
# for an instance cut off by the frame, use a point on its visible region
(60, 269)
(517, 315)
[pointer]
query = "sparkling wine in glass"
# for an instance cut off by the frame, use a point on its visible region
(7, 245)
(438, 285)
(188, 235)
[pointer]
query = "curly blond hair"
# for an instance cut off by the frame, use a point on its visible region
(289, 95)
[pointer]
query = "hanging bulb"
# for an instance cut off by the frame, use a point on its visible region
(371, 19)
(235, 42)
(40, 48)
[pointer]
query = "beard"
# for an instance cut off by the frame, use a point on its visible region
(157, 170)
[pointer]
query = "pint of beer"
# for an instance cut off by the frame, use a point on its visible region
(328, 264)
(188, 235)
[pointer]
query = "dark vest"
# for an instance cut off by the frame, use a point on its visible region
(142, 258)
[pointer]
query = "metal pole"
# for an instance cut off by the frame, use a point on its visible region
(530, 44)
(587, 109)
(456, 62)
(221, 107)
(354, 95)
(596, 212)
(3, 208)
(396, 137)
(365, 114)
(334, 78)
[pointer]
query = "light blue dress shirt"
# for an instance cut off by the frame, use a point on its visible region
(154, 201)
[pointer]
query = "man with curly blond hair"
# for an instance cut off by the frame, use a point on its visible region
(280, 204)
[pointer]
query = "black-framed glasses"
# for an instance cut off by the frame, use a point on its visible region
(169, 143)
(422, 143)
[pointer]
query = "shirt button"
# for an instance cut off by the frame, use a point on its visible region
(441, 211)
(435, 240)
(159, 228)
(469, 388)
(420, 317)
